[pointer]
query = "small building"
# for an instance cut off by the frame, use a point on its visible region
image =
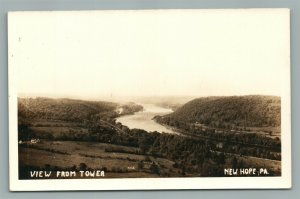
(220, 145)
(34, 141)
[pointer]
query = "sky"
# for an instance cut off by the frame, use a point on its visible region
(149, 52)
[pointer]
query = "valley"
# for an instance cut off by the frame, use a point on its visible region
(65, 134)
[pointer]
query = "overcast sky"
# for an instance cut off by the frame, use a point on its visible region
(142, 53)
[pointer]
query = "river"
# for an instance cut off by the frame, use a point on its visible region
(143, 119)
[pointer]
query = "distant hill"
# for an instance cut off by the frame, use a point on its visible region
(229, 112)
(172, 102)
(62, 109)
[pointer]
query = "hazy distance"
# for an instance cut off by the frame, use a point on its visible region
(113, 54)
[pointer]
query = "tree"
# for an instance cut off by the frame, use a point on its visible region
(234, 162)
(154, 169)
(221, 158)
(140, 165)
(82, 166)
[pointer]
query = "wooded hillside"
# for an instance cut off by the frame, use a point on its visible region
(228, 112)
(62, 109)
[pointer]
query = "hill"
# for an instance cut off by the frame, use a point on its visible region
(62, 109)
(229, 112)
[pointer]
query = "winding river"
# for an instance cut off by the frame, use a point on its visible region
(143, 119)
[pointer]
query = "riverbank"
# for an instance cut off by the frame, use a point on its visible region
(144, 119)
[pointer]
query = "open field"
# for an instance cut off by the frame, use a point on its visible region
(273, 166)
(116, 161)
(89, 138)
(58, 130)
(95, 156)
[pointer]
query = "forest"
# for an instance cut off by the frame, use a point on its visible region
(196, 151)
(230, 112)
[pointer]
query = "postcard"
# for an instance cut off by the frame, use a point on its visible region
(149, 99)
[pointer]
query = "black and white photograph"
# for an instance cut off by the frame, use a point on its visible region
(149, 99)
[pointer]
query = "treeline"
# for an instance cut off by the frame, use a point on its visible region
(230, 112)
(189, 154)
(250, 139)
(206, 155)
(130, 108)
(71, 110)
(63, 109)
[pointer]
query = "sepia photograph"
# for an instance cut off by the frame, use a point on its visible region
(149, 99)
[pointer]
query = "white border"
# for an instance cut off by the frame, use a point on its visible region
(149, 183)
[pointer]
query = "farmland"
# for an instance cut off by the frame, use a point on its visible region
(113, 159)
(76, 135)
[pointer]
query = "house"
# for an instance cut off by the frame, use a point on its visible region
(34, 141)
(220, 145)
